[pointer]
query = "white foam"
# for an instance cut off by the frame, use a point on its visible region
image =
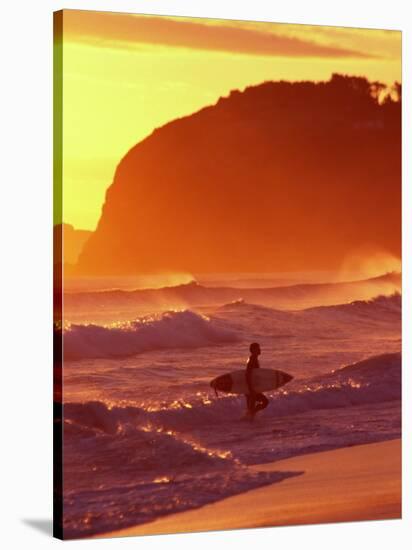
(171, 329)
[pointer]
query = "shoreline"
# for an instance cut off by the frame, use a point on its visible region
(357, 483)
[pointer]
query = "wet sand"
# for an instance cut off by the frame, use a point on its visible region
(356, 483)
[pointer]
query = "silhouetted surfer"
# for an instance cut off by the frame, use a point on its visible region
(255, 401)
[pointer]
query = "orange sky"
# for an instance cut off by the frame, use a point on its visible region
(125, 75)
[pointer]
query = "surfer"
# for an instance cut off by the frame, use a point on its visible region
(255, 401)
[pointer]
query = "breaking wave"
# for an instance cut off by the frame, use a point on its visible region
(171, 329)
(380, 306)
(374, 380)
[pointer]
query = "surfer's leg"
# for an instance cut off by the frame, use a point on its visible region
(249, 414)
(251, 404)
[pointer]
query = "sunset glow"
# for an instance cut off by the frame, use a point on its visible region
(230, 226)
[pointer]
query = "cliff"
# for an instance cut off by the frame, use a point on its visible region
(282, 176)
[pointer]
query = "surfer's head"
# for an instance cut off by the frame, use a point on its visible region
(254, 348)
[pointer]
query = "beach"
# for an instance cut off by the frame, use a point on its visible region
(146, 438)
(357, 483)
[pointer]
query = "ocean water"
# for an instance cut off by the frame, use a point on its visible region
(146, 436)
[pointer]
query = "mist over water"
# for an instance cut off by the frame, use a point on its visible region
(144, 434)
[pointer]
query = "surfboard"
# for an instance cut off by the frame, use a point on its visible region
(262, 380)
